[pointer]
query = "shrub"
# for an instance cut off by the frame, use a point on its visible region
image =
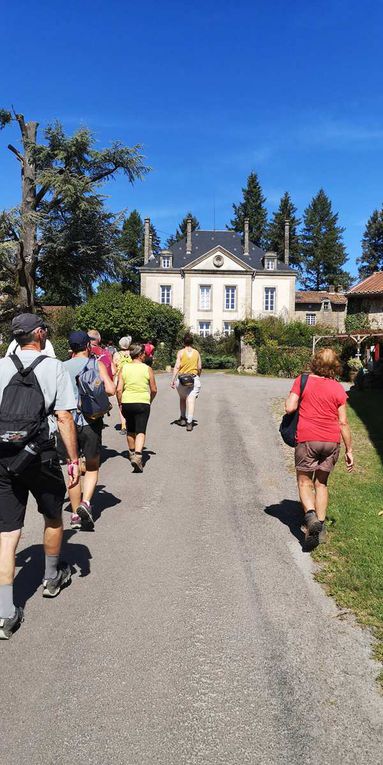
(355, 321)
(162, 356)
(218, 362)
(61, 347)
(282, 362)
(115, 313)
(296, 334)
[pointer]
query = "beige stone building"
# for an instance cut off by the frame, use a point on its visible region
(217, 278)
(321, 307)
(367, 297)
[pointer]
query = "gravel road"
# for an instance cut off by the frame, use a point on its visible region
(193, 631)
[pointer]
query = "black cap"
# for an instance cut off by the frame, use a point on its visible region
(78, 339)
(26, 323)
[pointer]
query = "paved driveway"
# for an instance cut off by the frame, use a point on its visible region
(193, 632)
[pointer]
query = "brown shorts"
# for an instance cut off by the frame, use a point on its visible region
(316, 455)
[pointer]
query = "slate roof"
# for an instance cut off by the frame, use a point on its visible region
(312, 296)
(204, 241)
(373, 285)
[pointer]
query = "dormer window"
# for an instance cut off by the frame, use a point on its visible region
(270, 261)
(326, 305)
(166, 259)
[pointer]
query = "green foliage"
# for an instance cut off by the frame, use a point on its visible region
(61, 347)
(163, 356)
(60, 322)
(3, 349)
(355, 364)
(5, 118)
(372, 246)
(356, 321)
(282, 362)
(182, 229)
(116, 313)
(257, 332)
(275, 232)
(253, 208)
(131, 245)
(322, 248)
(218, 362)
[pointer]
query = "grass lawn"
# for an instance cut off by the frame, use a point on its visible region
(351, 562)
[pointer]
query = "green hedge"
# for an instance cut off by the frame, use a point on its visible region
(282, 362)
(218, 362)
(116, 313)
(296, 334)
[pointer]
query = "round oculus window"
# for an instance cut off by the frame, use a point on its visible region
(218, 261)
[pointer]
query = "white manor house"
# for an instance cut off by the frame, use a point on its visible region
(216, 280)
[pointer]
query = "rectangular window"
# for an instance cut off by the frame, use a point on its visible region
(165, 295)
(270, 264)
(230, 298)
(205, 328)
(270, 298)
(311, 319)
(205, 298)
(166, 261)
(227, 328)
(326, 305)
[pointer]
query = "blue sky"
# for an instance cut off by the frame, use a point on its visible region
(212, 90)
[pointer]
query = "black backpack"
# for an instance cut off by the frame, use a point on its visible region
(289, 424)
(22, 409)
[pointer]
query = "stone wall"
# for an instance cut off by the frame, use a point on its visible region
(248, 361)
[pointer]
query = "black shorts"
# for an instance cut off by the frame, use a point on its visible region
(43, 479)
(136, 416)
(89, 441)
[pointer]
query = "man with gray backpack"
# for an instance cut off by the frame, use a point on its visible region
(92, 387)
(35, 394)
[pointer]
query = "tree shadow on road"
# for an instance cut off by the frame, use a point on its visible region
(29, 578)
(291, 514)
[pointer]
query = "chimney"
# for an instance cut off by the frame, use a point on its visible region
(246, 236)
(331, 289)
(146, 240)
(150, 245)
(287, 242)
(189, 236)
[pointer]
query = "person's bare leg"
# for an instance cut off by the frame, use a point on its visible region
(131, 439)
(53, 535)
(8, 546)
(321, 494)
(306, 490)
(74, 495)
(90, 479)
(140, 442)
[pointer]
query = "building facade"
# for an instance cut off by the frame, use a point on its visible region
(327, 308)
(217, 278)
(367, 297)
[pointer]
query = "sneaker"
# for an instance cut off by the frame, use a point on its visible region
(52, 587)
(8, 626)
(181, 421)
(130, 455)
(136, 462)
(189, 427)
(84, 510)
(75, 521)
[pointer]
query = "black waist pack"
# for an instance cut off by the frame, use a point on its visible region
(186, 380)
(289, 424)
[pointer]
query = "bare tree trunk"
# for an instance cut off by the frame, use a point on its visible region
(26, 265)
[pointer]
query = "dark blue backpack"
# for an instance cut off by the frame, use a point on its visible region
(289, 424)
(92, 402)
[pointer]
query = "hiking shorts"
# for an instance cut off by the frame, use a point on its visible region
(43, 479)
(89, 441)
(136, 416)
(185, 392)
(316, 455)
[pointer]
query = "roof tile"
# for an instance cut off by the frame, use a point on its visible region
(370, 286)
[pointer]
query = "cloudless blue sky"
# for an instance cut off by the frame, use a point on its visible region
(212, 90)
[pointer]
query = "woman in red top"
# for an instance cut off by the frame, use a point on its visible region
(321, 425)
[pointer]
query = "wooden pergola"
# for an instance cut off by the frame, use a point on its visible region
(356, 337)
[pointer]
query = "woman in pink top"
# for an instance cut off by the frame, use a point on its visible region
(321, 425)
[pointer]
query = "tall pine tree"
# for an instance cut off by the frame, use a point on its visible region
(253, 208)
(372, 246)
(182, 228)
(322, 249)
(275, 232)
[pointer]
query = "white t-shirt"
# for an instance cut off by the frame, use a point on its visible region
(48, 350)
(53, 379)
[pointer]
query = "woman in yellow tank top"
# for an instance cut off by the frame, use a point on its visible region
(188, 365)
(136, 390)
